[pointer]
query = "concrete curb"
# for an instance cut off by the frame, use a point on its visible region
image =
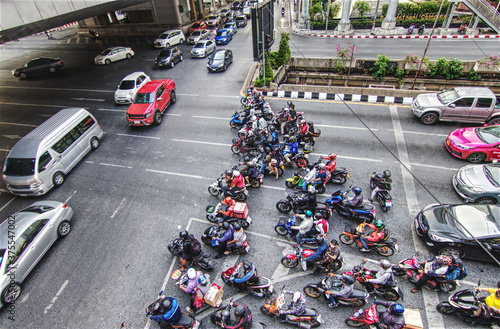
(339, 97)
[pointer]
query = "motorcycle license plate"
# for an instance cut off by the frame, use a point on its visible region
(247, 248)
(271, 288)
(396, 247)
(249, 220)
(319, 319)
(388, 204)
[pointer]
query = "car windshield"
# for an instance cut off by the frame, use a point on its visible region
(212, 17)
(221, 33)
(195, 25)
(199, 45)
(19, 167)
(479, 221)
(144, 98)
(106, 51)
(165, 53)
(39, 209)
(163, 36)
(493, 174)
(218, 56)
(489, 134)
(448, 96)
(127, 85)
(196, 33)
(228, 25)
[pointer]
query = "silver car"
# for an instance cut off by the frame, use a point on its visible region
(479, 183)
(197, 35)
(24, 238)
(203, 48)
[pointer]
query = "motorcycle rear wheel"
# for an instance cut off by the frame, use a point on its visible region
(335, 266)
(385, 251)
(359, 302)
(290, 263)
(283, 207)
(315, 323)
(213, 191)
(281, 230)
(398, 271)
(254, 182)
(391, 295)
(240, 197)
(447, 286)
(320, 189)
(340, 178)
(346, 239)
(206, 240)
(268, 116)
(312, 292)
(353, 323)
(233, 124)
(445, 308)
(265, 311)
(235, 149)
(290, 184)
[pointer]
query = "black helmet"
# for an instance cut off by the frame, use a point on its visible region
(319, 239)
(240, 310)
(318, 216)
(225, 225)
(357, 190)
(226, 313)
(387, 173)
(349, 279)
(236, 226)
(246, 159)
(334, 242)
(267, 149)
(183, 234)
(247, 265)
(166, 304)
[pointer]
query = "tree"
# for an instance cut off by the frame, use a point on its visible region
(363, 8)
(284, 51)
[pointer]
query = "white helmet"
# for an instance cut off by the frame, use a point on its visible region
(384, 263)
(311, 189)
(296, 296)
(236, 173)
(322, 165)
(191, 273)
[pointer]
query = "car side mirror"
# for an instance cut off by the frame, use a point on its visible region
(453, 105)
(159, 98)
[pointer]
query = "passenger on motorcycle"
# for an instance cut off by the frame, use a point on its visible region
(357, 201)
(322, 248)
(383, 183)
(303, 130)
(332, 162)
(321, 225)
(242, 317)
(345, 290)
(199, 294)
(378, 233)
(297, 307)
(321, 176)
(239, 238)
(305, 226)
(251, 172)
(333, 252)
(170, 309)
(434, 269)
(227, 236)
(307, 201)
(190, 286)
(381, 277)
(292, 148)
(307, 180)
(191, 247)
(274, 167)
(456, 270)
(393, 317)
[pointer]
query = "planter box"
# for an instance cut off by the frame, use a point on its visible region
(414, 66)
(481, 68)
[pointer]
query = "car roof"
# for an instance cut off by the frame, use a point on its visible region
(226, 31)
(474, 91)
(241, 16)
(133, 76)
(153, 85)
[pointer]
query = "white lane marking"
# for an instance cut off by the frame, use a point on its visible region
(174, 173)
(344, 127)
(69, 198)
(55, 297)
(89, 99)
(281, 270)
(37, 105)
(112, 110)
(129, 135)
(118, 208)
(205, 117)
(346, 157)
(25, 298)
(426, 134)
(8, 202)
(114, 165)
(430, 298)
(16, 124)
(200, 142)
(63, 89)
(274, 187)
(224, 96)
(433, 167)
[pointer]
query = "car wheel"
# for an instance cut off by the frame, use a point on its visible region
(450, 251)
(11, 293)
(181, 41)
(172, 63)
(94, 143)
(52, 69)
(476, 157)
(23, 75)
(494, 121)
(167, 45)
(129, 56)
(63, 229)
(107, 62)
(181, 58)
(58, 179)
(157, 118)
(173, 98)
(429, 118)
(486, 200)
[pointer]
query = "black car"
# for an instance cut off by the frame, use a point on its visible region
(168, 57)
(38, 65)
(219, 60)
(449, 230)
(241, 21)
(237, 5)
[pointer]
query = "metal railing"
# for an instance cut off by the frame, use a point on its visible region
(486, 12)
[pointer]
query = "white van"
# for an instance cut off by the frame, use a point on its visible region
(169, 38)
(43, 158)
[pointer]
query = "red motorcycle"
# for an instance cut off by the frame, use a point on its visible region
(364, 316)
(384, 247)
(240, 147)
(300, 255)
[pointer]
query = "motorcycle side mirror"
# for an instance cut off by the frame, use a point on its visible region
(479, 283)
(161, 293)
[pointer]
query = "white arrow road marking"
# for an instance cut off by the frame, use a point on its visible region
(281, 270)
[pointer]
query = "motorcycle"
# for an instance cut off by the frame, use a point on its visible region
(421, 29)
(410, 29)
(462, 29)
(202, 259)
(213, 216)
(290, 203)
(364, 316)
(48, 35)
(357, 298)
(240, 147)
(236, 121)
(283, 228)
(385, 248)
(366, 213)
(389, 291)
(185, 321)
(297, 181)
(411, 267)
(469, 308)
(215, 189)
(310, 318)
(258, 286)
(93, 35)
(300, 255)
(382, 197)
(221, 318)
(283, 12)
(299, 159)
(216, 231)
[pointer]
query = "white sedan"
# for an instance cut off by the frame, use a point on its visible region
(197, 35)
(114, 54)
(129, 86)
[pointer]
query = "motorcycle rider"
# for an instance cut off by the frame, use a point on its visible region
(493, 300)
(321, 176)
(456, 270)
(332, 162)
(237, 183)
(345, 290)
(191, 285)
(307, 201)
(303, 130)
(393, 317)
(421, 29)
(321, 225)
(243, 274)
(239, 237)
(242, 320)
(382, 277)
(377, 234)
(293, 148)
(227, 236)
(305, 226)
(307, 180)
(435, 269)
(382, 182)
(297, 307)
(252, 172)
(191, 247)
(357, 201)
(229, 213)
(322, 248)
(170, 309)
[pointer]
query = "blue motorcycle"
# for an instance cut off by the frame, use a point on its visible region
(236, 121)
(283, 228)
(366, 213)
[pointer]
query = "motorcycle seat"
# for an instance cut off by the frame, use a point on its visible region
(358, 294)
(185, 319)
(366, 207)
(259, 281)
(321, 206)
(309, 312)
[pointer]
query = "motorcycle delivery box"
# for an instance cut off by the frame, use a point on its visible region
(213, 297)
(413, 320)
(240, 210)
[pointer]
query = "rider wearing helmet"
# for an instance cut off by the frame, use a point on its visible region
(244, 273)
(381, 277)
(322, 248)
(239, 238)
(332, 162)
(292, 149)
(357, 201)
(229, 212)
(167, 311)
(192, 284)
(297, 307)
(307, 201)
(305, 226)
(377, 234)
(382, 183)
(191, 247)
(252, 172)
(345, 290)
(321, 225)
(226, 237)
(321, 176)
(242, 317)
(199, 294)
(393, 317)
(303, 130)
(434, 269)
(237, 183)
(307, 180)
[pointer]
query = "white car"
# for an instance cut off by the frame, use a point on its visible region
(114, 54)
(197, 35)
(128, 87)
(169, 38)
(203, 48)
(213, 21)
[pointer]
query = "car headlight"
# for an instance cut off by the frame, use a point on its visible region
(148, 115)
(438, 238)
(35, 185)
(476, 189)
(463, 147)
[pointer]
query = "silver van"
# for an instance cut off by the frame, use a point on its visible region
(43, 158)
(460, 104)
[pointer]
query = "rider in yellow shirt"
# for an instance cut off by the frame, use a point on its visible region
(493, 300)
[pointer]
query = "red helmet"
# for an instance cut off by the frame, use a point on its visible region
(228, 201)
(444, 260)
(331, 156)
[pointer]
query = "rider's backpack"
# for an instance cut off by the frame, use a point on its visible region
(194, 245)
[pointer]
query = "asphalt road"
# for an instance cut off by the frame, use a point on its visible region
(131, 194)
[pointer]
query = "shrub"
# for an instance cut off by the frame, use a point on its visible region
(438, 69)
(473, 76)
(400, 74)
(363, 8)
(454, 70)
(381, 67)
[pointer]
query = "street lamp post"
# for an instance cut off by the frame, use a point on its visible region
(375, 15)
